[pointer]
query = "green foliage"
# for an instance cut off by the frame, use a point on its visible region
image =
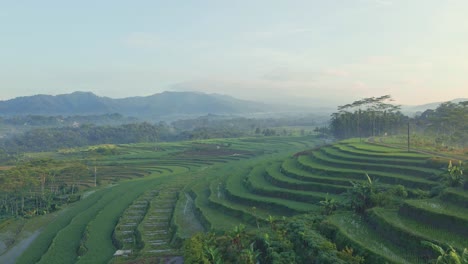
(347, 254)
(41, 244)
(287, 241)
(371, 117)
(360, 195)
(328, 205)
(448, 255)
(448, 124)
(390, 197)
(454, 176)
(46, 139)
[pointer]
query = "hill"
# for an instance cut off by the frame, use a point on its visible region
(409, 109)
(157, 105)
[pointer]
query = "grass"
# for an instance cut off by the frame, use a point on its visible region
(292, 169)
(209, 216)
(218, 190)
(40, 246)
(99, 231)
(408, 233)
(66, 242)
(353, 231)
(257, 184)
(335, 152)
(236, 191)
(313, 165)
(275, 177)
(361, 152)
(455, 196)
(438, 214)
(251, 215)
(417, 171)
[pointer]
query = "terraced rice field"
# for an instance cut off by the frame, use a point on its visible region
(294, 184)
(136, 210)
(156, 195)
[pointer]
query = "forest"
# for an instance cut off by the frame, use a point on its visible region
(376, 116)
(50, 133)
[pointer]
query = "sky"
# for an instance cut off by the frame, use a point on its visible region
(292, 51)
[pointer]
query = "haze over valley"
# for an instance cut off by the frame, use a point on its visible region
(234, 132)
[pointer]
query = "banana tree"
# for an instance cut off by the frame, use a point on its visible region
(448, 255)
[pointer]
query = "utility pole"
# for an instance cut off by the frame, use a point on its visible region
(408, 135)
(95, 175)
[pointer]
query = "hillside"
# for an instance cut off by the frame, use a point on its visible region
(421, 108)
(157, 105)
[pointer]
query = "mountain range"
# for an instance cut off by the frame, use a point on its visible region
(161, 106)
(153, 106)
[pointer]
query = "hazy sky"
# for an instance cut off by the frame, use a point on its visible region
(294, 51)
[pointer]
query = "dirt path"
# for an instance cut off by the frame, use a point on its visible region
(427, 152)
(13, 253)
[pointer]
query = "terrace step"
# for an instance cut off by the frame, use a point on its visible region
(154, 228)
(455, 196)
(236, 192)
(407, 233)
(125, 231)
(251, 215)
(437, 214)
(308, 163)
(420, 172)
(211, 217)
(370, 147)
(353, 231)
(275, 177)
(291, 168)
(335, 152)
(257, 184)
(346, 148)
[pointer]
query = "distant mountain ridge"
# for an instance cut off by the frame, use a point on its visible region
(157, 105)
(424, 107)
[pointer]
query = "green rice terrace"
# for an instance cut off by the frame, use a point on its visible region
(368, 203)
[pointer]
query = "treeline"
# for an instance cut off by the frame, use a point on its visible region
(46, 139)
(39, 186)
(448, 124)
(214, 126)
(46, 136)
(57, 121)
(373, 116)
(246, 124)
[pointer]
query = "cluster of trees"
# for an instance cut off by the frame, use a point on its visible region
(367, 117)
(45, 139)
(58, 121)
(448, 124)
(46, 135)
(38, 186)
(293, 240)
(245, 124)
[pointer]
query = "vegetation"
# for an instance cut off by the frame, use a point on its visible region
(367, 117)
(257, 199)
(449, 255)
(447, 124)
(46, 139)
(294, 240)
